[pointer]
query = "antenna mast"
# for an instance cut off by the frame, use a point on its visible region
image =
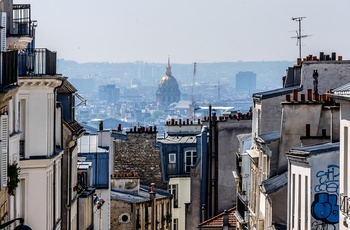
(299, 36)
(192, 115)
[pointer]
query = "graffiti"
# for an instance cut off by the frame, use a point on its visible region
(328, 181)
(325, 208)
(316, 225)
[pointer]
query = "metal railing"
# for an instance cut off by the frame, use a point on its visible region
(34, 62)
(9, 76)
(22, 23)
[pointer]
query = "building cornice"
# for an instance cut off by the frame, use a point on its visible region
(42, 81)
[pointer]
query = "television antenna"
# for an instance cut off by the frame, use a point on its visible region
(299, 36)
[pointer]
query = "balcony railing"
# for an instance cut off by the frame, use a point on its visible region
(9, 75)
(34, 62)
(22, 23)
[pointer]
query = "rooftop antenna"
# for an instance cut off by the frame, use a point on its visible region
(192, 99)
(299, 36)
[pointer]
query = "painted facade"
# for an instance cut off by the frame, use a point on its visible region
(342, 96)
(314, 187)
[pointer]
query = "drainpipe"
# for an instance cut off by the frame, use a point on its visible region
(216, 158)
(209, 164)
(257, 187)
(54, 194)
(204, 184)
(70, 183)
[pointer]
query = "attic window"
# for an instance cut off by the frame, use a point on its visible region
(172, 158)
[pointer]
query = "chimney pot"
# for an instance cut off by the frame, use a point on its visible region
(287, 97)
(295, 95)
(302, 97)
(309, 94)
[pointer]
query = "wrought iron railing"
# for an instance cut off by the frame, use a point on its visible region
(34, 62)
(9, 76)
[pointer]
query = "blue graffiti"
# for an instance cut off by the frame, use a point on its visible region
(328, 181)
(325, 208)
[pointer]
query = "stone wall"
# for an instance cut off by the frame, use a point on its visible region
(138, 154)
(119, 210)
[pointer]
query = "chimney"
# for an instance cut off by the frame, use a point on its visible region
(302, 97)
(309, 94)
(288, 97)
(295, 95)
(119, 127)
(152, 193)
(321, 56)
(334, 56)
(100, 126)
(225, 221)
(308, 130)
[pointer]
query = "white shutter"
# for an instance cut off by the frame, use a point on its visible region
(2, 39)
(4, 148)
(3, 31)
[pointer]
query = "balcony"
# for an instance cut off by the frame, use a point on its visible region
(9, 69)
(34, 62)
(22, 23)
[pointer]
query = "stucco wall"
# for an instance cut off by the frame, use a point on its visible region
(325, 190)
(228, 146)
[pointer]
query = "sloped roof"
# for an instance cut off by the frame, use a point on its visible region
(179, 140)
(344, 89)
(75, 127)
(275, 183)
(141, 197)
(66, 87)
(218, 221)
(268, 137)
(275, 92)
(315, 149)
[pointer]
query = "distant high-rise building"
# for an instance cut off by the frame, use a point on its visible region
(109, 93)
(168, 90)
(246, 82)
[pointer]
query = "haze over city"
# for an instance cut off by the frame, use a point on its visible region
(189, 31)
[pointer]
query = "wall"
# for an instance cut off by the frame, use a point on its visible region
(118, 208)
(228, 145)
(139, 154)
(325, 190)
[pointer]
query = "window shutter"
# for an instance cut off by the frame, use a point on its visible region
(4, 149)
(3, 31)
(2, 40)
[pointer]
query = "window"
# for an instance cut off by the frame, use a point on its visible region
(172, 158)
(190, 160)
(175, 224)
(172, 189)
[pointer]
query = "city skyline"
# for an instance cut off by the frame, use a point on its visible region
(190, 31)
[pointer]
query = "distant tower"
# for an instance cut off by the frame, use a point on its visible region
(168, 90)
(246, 82)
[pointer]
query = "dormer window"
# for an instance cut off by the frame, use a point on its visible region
(172, 158)
(190, 160)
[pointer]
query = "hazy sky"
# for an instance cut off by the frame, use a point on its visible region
(190, 30)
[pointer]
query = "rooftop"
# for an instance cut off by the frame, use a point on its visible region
(315, 149)
(141, 197)
(218, 221)
(275, 183)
